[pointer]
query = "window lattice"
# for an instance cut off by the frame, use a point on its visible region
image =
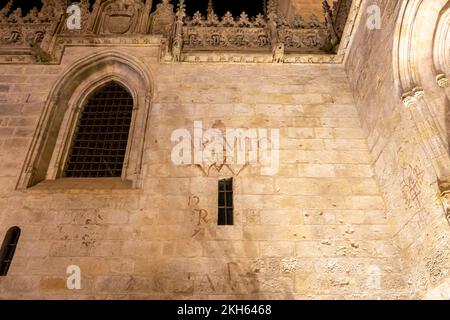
(101, 136)
(225, 202)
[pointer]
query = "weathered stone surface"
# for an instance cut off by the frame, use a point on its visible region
(404, 167)
(350, 213)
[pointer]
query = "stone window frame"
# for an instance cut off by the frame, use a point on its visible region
(51, 142)
(77, 125)
(67, 133)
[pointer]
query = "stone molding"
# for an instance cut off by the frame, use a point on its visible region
(409, 52)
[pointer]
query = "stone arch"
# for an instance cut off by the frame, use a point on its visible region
(56, 124)
(442, 42)
(421, 28)
(415, 75)
(441, 59)
(108, 161)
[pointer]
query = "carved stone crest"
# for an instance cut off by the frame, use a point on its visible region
(162, 19)
(121, 17)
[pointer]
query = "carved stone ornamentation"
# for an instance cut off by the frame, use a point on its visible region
(121, 17)
(23, 32)
(266, 37)
(177, 43)
(278, 53)
(333, 37)
(243, 33)
(409, 99)
(15, 16)
(444, 198)
(5, 10)
(52, 9)
(162, 19)
(442, 81)
(32, 16)
(341, 11)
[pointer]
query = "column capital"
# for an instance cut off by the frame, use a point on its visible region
(444, 197)
(410, 98)
(442, 80)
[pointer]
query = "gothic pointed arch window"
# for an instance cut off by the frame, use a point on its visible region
(101, 135)
(8, 248)
(93, 127)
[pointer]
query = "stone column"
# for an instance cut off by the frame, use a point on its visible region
(429, 132)
(177, 36)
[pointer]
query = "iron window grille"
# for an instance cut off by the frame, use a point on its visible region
(225, 202)
(101, 136)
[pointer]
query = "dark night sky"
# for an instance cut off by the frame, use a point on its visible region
(252, 7)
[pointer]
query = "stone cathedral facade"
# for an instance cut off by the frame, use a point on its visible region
(107, 173)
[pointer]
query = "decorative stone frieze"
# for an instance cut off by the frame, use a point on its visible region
(182, 35)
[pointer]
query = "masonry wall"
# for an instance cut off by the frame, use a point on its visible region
(317, 229)
(405, 174)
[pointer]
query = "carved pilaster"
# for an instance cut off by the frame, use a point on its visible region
(272, 17)
(55, 15)
(177, 38)
(333, 37)
(428, 130)
(278, 53)
(341, 10)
